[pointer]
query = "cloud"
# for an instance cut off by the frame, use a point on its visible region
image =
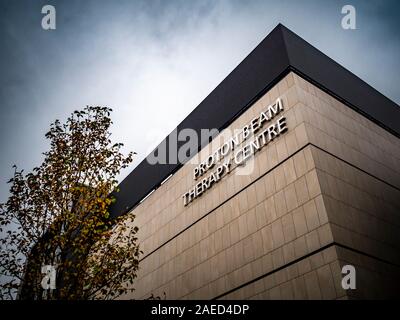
(153, 62)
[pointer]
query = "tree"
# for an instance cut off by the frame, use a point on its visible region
(58, 215)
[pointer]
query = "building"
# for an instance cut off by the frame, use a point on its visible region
(322, 193)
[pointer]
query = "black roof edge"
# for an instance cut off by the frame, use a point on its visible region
(281, 52)
(341, 83)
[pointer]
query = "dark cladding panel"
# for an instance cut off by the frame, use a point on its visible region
(331, 76)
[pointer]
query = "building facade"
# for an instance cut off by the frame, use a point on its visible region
(319, 193)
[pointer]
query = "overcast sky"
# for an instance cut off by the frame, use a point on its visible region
(157, 60)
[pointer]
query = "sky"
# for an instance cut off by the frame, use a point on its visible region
(153, 62)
